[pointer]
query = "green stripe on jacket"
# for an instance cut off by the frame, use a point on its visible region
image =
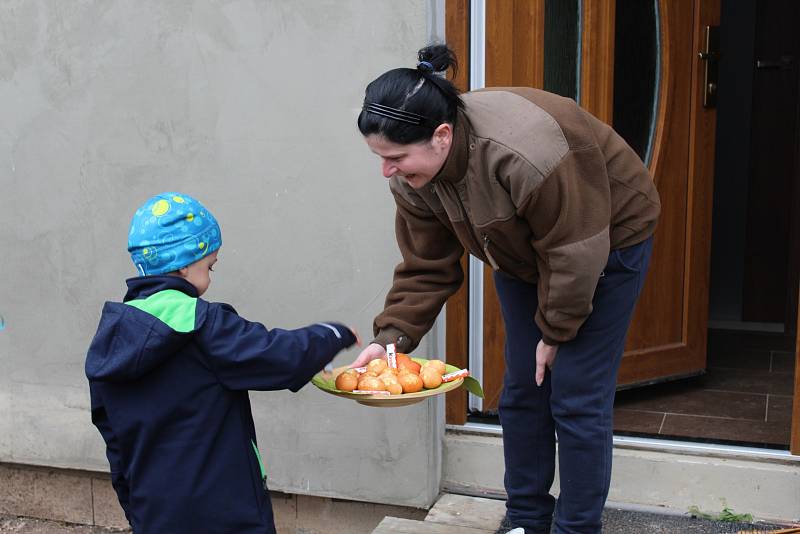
(172, 307)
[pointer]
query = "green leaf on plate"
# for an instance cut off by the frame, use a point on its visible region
(473, 386)
(322, 383)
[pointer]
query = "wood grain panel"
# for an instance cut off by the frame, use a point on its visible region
(702, 141)
(457, 348)
(514, 43)
(457, 307)
(661, 316)
(457, 35)
(494, 336)
(669, 332)
(597, 63)
(527, 67)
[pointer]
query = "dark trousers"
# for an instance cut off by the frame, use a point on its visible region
(575, 401)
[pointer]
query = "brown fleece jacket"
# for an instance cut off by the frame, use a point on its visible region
(534, 186)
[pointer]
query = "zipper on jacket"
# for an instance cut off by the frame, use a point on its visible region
(489, 254)
(260, 465)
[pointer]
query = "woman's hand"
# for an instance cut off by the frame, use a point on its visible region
(371, 352)
(545, 354)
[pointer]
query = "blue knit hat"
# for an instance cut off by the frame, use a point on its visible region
(170, 231)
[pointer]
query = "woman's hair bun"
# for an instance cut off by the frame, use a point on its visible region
(425, 66)
(407, 105)
(436, 58)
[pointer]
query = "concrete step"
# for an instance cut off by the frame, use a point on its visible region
(461, 514)
(470, 512)
(396, 525)
(452, 514)
(670, 476)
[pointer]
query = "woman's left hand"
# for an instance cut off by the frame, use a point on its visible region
(545, 355)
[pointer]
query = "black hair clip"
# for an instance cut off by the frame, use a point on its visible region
(394, 113)
(425, 66)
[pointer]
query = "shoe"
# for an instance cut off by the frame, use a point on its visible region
(507, 527)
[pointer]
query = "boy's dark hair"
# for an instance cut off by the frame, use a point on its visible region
(419, 92)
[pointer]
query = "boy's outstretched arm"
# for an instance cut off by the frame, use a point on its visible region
(118, 480)
(246, 355)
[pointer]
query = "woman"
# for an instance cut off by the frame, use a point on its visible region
(564, 211)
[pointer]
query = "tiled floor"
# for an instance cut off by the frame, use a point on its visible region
(744, 398)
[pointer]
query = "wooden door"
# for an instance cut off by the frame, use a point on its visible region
(668, 334)
(669, 331)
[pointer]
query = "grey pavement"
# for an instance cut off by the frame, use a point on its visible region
(26, 525)
(614, 522)
(634, 522)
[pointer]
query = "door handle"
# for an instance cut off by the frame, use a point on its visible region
(784, 63)
(710, 55)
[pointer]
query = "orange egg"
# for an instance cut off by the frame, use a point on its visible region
(346, 381)
(394, 389)
(371, 383)
(377, 365)
(431, 378)
(388, 379)
(437, 365)
(411, 383)
(405, 362)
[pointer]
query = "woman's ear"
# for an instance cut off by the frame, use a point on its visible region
(443, 135)
(183, 272)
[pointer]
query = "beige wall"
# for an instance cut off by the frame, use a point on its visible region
(250, 106)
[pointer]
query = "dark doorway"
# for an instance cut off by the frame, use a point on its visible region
(754, 248)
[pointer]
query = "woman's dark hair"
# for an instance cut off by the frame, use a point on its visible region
(406, 105)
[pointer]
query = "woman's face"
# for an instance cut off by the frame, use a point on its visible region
(416, 163)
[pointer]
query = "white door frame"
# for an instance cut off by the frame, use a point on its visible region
(477, 80)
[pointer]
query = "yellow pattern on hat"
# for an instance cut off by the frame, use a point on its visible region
(160, 208)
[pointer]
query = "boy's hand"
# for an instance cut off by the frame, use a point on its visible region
(370, 353)
(327, 372)
(358, 338)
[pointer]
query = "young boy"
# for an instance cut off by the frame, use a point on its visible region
(169, 374)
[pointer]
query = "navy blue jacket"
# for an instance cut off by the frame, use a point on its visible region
(168, 376)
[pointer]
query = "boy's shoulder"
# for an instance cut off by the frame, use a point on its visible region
(170, 300)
